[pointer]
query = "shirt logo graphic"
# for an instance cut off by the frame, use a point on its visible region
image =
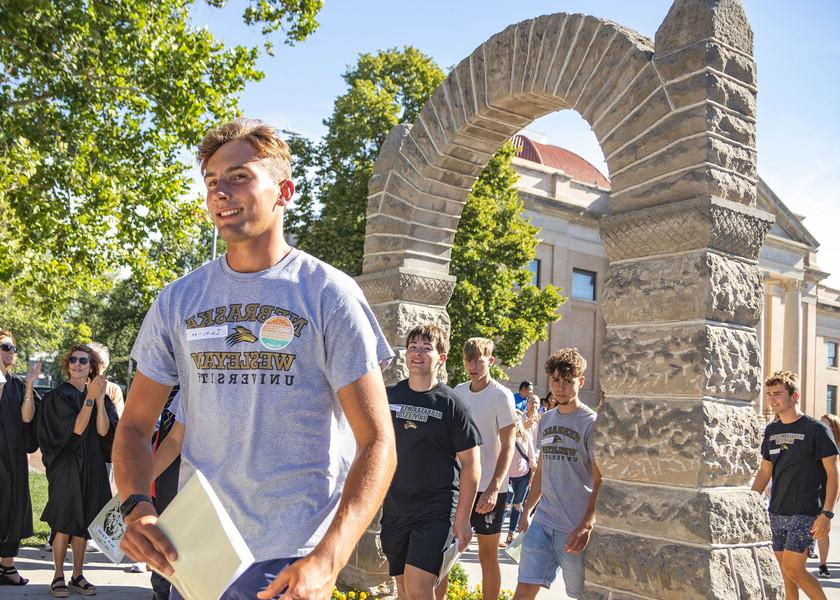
(410, 425)
(240, 334)
(277, 333)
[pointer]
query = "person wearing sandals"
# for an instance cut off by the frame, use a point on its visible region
(18, 406)
(75, 431)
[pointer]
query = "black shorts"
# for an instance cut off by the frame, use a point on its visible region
(419, 542)
(489, 523)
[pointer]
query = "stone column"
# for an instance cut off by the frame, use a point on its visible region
(677, 438)
(400, 298)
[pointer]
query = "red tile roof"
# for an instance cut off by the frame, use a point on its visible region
(576, 167)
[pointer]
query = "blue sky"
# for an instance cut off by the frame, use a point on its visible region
(797, 51)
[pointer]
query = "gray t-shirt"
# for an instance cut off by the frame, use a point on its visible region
(566, 455)
(259, 357)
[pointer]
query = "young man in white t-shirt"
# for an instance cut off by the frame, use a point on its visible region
(493, 410)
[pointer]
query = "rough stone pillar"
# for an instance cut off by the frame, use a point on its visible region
(677, 436)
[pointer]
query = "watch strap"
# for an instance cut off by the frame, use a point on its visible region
(132, 501)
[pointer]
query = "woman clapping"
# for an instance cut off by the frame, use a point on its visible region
(76, 431)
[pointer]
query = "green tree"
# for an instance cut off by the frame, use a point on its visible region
(384, 89)
(493, 244)
(493, 296)
(100, 103)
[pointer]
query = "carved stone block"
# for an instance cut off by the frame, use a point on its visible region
(735, 516)
(674, 442)
(683, 360)
(704, 285)
(666, 570)
(407, 285)
(693, 224)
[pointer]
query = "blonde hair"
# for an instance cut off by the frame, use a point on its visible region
(264, 138)
(833, 425)
(478, 347)
(789, 379)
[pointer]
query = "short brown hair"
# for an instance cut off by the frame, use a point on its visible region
(430, 332)
(7, 333)
(567, 361)
(95, 362)
(477, 347)
(263, 137)
(789, 379)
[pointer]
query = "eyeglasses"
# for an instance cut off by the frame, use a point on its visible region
(82, 360)
(8, 348)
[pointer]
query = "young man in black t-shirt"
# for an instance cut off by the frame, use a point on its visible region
(800, 456)
(433, 428)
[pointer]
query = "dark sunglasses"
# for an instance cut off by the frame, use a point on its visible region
(8, 347)
(82, 360)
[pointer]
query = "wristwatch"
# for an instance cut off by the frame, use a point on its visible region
(828, 514)
(88, 401)
(132, 501)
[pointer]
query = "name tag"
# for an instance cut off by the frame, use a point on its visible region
(204, 333)
(775, 450)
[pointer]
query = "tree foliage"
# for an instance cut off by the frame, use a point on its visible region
(494, 243)
(493, 296)
(384, 89)
(100, 103)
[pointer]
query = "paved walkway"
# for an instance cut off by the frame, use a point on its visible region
(116, 584)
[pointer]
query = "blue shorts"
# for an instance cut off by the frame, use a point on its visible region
(791, 532)
(255, 579)
(543, 553)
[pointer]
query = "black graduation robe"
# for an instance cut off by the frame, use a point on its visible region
(76, 474)
(16, 440)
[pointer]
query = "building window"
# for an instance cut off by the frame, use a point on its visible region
(832, 353)
(831, 400)
(535, 266)
(583, 284)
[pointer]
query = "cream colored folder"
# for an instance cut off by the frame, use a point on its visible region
(211, 552)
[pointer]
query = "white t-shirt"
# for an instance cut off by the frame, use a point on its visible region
(492, 410)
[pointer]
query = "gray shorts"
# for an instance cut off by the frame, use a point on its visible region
(791, 533)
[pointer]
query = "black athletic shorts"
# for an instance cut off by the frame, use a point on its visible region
(419, 542)
(489, 523)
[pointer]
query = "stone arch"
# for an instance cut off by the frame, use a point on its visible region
(675, 119)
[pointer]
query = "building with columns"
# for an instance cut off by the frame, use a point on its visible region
(565, 196)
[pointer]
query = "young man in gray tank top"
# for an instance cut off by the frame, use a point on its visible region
(567, 481)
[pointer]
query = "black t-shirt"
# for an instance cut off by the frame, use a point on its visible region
(796, 451)
(431, 428)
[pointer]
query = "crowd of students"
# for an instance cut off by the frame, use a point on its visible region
(282, 405)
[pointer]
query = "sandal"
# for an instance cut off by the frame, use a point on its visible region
(82, 586)
(58, 589)
(7, 576)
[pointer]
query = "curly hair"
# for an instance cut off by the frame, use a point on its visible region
(264, 138)
(429, 332)
(95, 361)
(789, 379)
(568, 362)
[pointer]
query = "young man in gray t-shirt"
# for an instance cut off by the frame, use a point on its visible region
(565, 485)
(278, 357)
